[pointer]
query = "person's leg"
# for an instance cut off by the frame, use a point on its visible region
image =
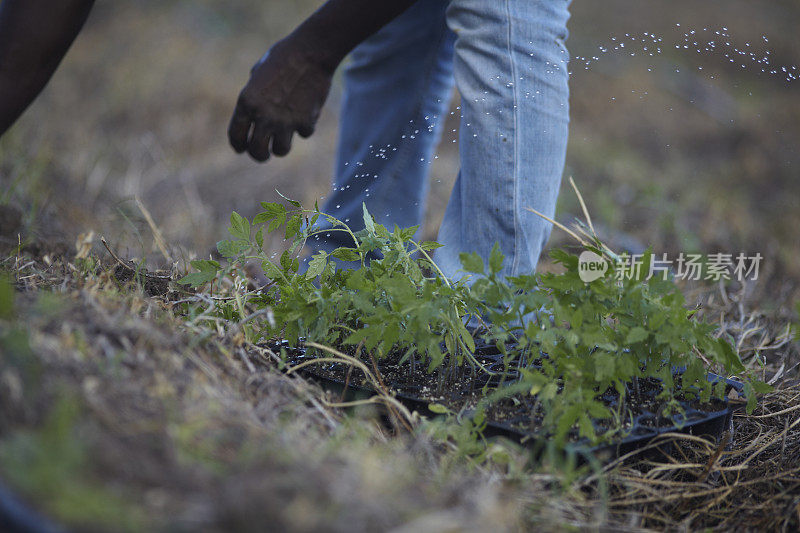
(397, 87)
(511, 71)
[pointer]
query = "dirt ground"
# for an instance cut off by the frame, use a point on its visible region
(118, 416)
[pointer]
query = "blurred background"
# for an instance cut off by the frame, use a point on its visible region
(685, 138)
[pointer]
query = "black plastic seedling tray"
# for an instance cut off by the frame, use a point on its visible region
(645, 428)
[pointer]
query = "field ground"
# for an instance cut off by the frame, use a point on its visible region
(116, 415)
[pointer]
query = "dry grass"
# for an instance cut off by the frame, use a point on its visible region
(749, 481)
(192, 427)
(177, 423)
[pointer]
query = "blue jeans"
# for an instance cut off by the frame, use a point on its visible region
(509, 63)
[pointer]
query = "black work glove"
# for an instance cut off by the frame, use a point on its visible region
(285, 93)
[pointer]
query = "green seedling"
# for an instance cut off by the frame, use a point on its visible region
(570, 341)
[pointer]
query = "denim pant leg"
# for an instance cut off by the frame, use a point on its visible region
(398, 84)
(511, 71)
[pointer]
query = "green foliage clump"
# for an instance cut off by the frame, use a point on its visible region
(569, 341)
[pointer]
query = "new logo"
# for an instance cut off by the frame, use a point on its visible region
(591, 266)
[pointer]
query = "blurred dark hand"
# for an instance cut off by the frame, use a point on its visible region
(285, 93)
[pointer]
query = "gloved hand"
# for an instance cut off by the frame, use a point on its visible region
(285, 93)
